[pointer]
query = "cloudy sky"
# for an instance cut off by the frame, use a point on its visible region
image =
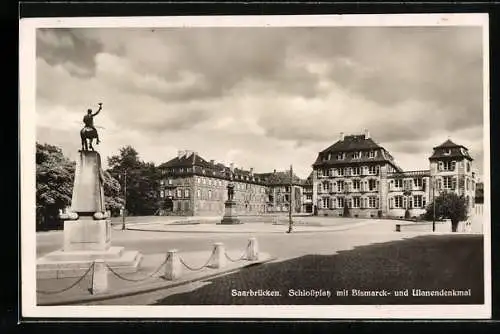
(262, 97)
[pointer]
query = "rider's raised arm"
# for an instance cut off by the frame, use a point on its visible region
(98, 110)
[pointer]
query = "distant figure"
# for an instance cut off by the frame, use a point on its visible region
(89, 131)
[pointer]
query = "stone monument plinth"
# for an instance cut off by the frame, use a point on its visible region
(87, 228)
(230, 214)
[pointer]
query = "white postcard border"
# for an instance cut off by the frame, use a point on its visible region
(27, 127)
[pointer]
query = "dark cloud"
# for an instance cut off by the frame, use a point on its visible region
(68, 46)
(170, 121)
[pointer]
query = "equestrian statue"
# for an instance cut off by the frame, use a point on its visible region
(89, 132)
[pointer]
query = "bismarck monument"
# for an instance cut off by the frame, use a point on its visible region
(230, 214)
(87, 228)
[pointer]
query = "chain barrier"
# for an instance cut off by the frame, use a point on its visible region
(138, 279)
(198, 268)
(242, 257)
(92, 267)
(69, 287)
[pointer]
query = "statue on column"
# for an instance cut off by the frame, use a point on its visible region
(89, 132)
(230, 192)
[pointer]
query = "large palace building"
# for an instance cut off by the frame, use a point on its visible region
(358, 173)
(354, 173)
(193, 186)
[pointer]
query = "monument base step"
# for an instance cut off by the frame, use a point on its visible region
(127, 262)
(230, 221)
(84, 255)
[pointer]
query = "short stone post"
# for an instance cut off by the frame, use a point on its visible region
(99, 277)
(173, 267)
(252, 250)
(218, 256)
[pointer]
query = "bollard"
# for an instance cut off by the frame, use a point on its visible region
(219, 256)
(99, 277)
(252, 250)
(173, 268)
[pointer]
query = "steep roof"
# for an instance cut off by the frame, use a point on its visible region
(448, 144)
(186, 160)
(352, 143)
(449, 150)
(309, 180)
(190, 159)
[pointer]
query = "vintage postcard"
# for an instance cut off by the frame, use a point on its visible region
(297, 167)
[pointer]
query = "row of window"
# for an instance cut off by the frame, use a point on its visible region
(451, 165)
(407, 184)
(403, 202)
(221, 183)
(350, 171)
(354, 185)
(353, 155)
(371, 202)
(180, 193)
(445, 182)
(219, 195)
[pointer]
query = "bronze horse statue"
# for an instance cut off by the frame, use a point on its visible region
(89, 132)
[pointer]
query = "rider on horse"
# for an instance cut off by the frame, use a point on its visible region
(89, 120)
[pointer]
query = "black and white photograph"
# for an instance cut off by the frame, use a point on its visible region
(325, 167)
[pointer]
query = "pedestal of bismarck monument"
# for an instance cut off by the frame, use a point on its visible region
(230, 214)
(87, 229)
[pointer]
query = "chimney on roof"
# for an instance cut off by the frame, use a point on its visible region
(341, 136)
(231, 166)
(274, 171)
(212, 162)
(367, 134)
(251, 170)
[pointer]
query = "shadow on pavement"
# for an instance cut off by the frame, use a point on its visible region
(449, 262)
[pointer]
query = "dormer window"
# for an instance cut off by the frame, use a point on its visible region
(447, 151)
(356, 155)
(340, 156)
(372, 154)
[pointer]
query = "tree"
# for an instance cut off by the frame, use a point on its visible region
(55, 175)
(54, 184)
(142, 181)
(112, 189)
(448, 206)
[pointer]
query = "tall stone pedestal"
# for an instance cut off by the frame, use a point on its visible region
(230, 215)
(87, 229)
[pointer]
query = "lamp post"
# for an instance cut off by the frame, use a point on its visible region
(124, 199)
(290, 221)
(433, 181)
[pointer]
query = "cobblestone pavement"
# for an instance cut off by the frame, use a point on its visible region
(427, 263)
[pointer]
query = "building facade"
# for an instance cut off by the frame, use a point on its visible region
(358, 176)
(193, 186)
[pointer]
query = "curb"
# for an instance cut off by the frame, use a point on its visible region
(139, 291)
(316, 230)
